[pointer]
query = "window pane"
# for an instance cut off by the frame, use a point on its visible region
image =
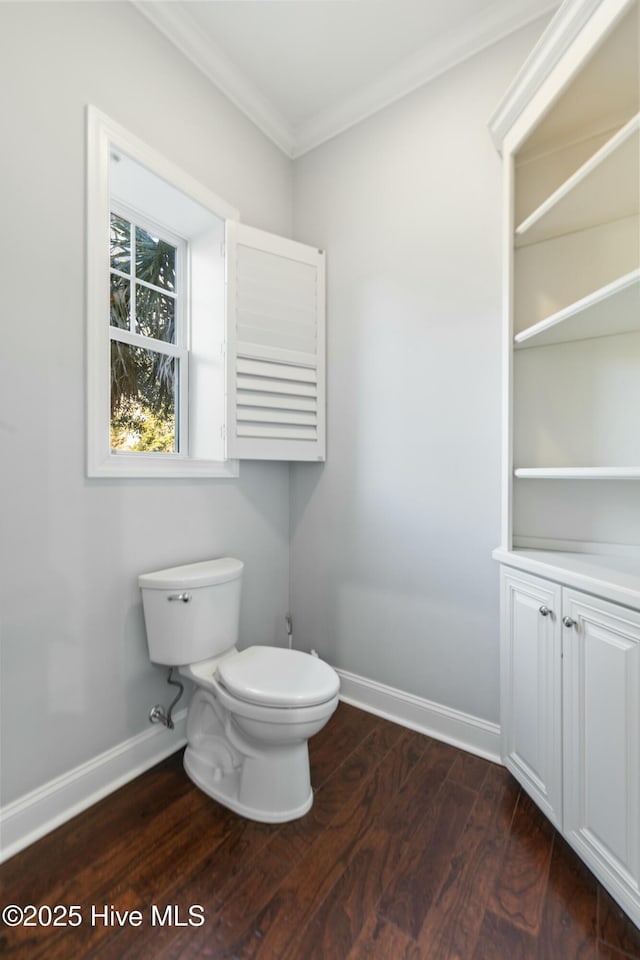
(120, 244)
(155, 260)
(120, 302)
(143, 399)
(155, 314)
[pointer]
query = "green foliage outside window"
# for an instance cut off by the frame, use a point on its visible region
(136, 427)
(143, 381)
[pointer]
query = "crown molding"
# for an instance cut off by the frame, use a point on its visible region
(183, 32)
(497, 21)
(448, 50)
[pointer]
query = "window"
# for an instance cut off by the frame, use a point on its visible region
(148, 332)
(205, 337)
(155, 314)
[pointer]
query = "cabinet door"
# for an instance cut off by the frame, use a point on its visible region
(531, 687)
(602, 740)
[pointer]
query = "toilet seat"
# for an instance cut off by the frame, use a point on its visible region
(277, 677)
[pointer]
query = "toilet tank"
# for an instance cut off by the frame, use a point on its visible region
(191, 612)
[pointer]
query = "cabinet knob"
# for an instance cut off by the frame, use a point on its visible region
(545, 611)
(568, 622)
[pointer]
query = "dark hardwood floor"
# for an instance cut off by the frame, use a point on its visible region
(413, 850)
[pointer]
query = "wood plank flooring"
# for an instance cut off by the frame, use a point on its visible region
(413, 850)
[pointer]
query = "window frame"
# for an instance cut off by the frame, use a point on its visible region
(104, 136)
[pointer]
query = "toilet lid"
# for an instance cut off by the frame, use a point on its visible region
(274, 676)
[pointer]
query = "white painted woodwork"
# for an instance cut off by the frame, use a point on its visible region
(607, 77)
(572, 290)
(612, 309)
(571, 710)
(558, 274)
(148, 182)
(273, 306)
(604, 188)
(531, 687)
(579, 473)
(539, 176)
(358, 57)
(275, 347)
(569, 131)
(615, 576)
(601, 684)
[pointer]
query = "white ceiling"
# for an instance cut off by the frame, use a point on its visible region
(304, 70)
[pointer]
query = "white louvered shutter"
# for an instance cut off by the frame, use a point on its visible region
(275, 347)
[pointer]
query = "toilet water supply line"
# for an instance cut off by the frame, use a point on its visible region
(158, 713)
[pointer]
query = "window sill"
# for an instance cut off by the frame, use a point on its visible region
(127, 466)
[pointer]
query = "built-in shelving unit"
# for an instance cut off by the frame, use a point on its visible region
(572, 393)
(569, 133)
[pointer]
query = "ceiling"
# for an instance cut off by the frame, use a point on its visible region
(305, 70)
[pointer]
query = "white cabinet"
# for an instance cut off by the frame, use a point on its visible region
(601, 710)
(531, 687)
(571, 720)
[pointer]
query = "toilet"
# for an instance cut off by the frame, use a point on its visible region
(254, 710)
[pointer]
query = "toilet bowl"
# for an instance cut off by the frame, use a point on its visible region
(252, 755)
(253, 711)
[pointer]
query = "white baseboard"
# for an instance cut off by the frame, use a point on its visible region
(32, 816)
(443, 723)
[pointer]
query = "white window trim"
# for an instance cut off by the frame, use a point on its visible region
(104, 135)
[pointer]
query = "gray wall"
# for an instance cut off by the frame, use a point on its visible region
(76, 678)
(392, 576)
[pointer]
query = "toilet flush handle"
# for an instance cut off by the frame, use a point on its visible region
(185, 597)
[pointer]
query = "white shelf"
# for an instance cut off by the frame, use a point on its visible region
(605, 188)
(613, 309)
(578, 473)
